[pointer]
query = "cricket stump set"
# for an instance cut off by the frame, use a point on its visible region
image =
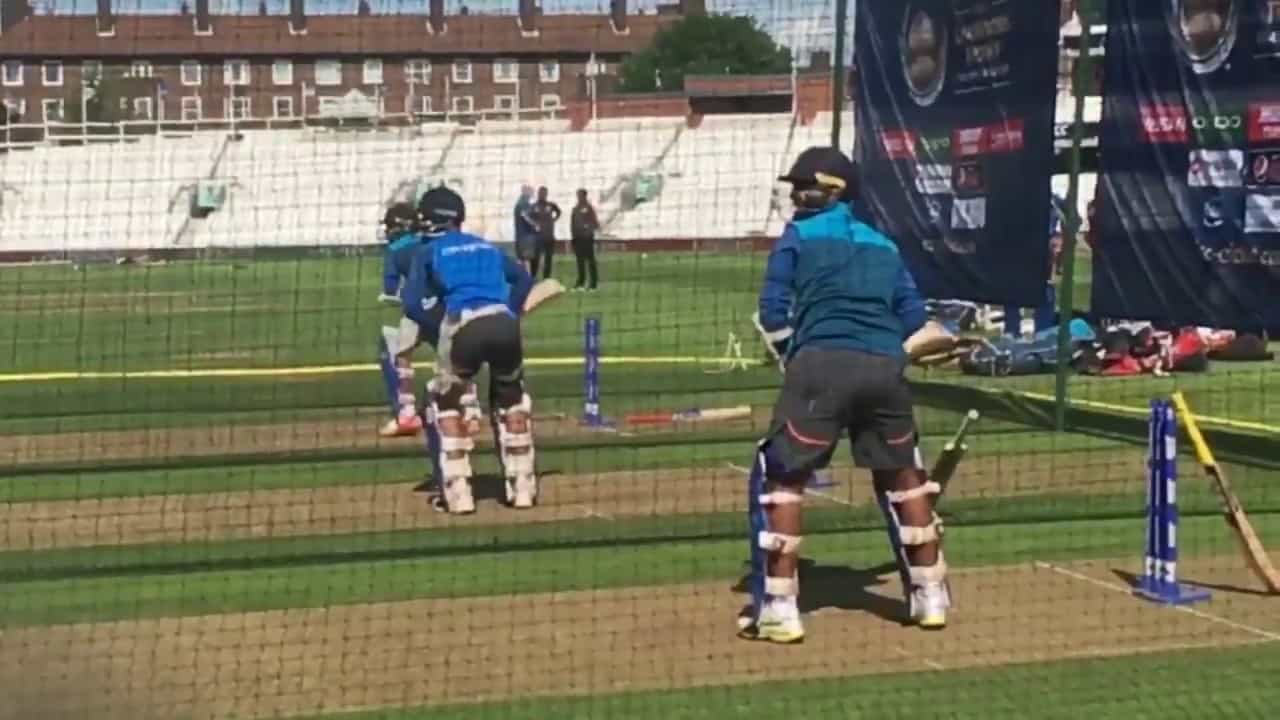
(1159, 580)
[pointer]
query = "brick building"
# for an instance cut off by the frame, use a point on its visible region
(197, 66)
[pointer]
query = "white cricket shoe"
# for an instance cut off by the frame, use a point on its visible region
(458, 498)
(929, 605)
(522, 493)
(779, 623)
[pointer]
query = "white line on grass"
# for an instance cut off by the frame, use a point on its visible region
(1109, 651)
(1116, 587)
(931, 664)
(591, 512)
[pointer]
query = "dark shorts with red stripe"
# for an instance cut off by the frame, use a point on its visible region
(827, 393)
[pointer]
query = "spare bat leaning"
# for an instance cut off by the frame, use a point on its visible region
(1254, 553)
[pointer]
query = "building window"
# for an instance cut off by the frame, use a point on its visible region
(142, 108)
(551, 102)
(91, 71)
(239, 108)
(328, 105)
(15, 108)
(504, 102)
(506, 71)
(53, 108)
(282, 72)
(190, 72)
(235, 72)
(191, 110)
(328, 72)
(462, 71)
(282, 107)
(418, 71)
(549, 71)
(424, 105)
(373, 71)
(12, 73)
(463, 104)
(140, 69)
(51, 73)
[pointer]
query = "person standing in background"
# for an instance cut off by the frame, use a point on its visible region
(526, 229)
(583, 225)
(544, 214)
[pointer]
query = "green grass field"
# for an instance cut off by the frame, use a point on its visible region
(242, 486)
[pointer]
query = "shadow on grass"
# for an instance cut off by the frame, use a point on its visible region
(1131, 580)
(845, 588)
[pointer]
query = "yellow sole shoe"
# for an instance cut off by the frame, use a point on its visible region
(780, 635)
(932, 622)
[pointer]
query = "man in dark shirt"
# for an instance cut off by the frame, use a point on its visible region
(545, 214)
(583, 225)
(526, 231)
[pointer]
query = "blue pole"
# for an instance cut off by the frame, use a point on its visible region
(591, 372)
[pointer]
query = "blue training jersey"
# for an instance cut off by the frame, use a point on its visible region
(462, 272)
(398, 260)
(834, 282)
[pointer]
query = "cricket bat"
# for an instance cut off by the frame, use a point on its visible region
(543, 291)
(944, 468)
(1254, 553)
(694, 415)
(931, 339)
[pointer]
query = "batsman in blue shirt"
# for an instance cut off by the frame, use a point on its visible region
(468, 283)
(402, 233)
(836, 305)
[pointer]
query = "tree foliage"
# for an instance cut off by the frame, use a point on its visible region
(703, 45)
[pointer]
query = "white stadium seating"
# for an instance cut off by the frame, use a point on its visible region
(315, 187)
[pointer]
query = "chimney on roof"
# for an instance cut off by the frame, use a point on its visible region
(363, 9)
(297, 17)
(529, 12)
(106, 20)
(618, 15)
(435, 21)
(693, 7)
(13, 12)
(204, 23)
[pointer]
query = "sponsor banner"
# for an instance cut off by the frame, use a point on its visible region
(969, 213)
(1262, 213)
(898, 144)
(1215, 168)
(955, 140)
(933, 179)
(1188, 227)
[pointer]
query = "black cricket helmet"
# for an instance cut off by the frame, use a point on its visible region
(399, 219)
(821, 176)
(441, 208)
